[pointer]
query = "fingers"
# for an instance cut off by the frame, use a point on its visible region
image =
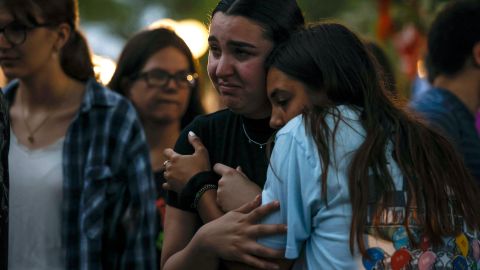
(195, 141)
(260, 230)
(262, 211)
(257, 262)
(166, 186)
(257, 249)
(169, 153)
(222, 169)
(248, 207)
(239, 169)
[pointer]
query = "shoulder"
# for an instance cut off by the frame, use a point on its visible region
(9, 91)
(434, 101)
(213, 124)
(216, 117)
(293, 138)
(100, 99)
(294, 130)
(98, 95)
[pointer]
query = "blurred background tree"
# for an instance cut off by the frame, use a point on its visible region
(398, 26)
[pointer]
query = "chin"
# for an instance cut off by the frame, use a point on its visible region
(164, 120)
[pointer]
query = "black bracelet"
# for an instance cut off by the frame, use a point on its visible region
(186, 197)
(200, 194)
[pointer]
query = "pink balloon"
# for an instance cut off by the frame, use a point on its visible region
(426, 260)
(476, 249)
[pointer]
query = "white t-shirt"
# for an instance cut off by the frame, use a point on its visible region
(36, 183)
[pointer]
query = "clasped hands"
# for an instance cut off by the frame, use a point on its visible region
(233, 236)
(234, 187)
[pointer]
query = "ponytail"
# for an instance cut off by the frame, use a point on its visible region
(75, 57)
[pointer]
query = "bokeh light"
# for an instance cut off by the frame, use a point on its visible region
(104, 68)
(193, 32)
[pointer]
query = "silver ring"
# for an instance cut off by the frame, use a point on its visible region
(165, 162)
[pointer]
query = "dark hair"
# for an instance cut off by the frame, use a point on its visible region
(451, 38)
(136, 53)
(278, 18)
(383, 65)
(75, 57)
(329, 58)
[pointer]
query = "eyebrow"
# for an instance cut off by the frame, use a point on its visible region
(278, 91)
(233, 43)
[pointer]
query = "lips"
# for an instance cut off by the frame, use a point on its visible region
(166, 101)
(8, 59)
(228, 89)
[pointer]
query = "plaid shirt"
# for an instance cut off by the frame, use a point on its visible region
(4, 145)
(108, 213)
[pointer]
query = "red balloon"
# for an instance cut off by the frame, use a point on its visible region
(400, 259)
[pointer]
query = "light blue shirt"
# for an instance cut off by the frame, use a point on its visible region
(294, 179)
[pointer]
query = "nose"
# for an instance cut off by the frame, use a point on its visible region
(224, 67)
(171, 86)
(276, 120)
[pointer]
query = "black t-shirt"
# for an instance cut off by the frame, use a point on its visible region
(223, 135)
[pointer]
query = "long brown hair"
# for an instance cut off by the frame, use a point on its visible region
(329, 57)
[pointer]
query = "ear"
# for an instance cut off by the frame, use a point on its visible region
(476, 54)
(63, 35)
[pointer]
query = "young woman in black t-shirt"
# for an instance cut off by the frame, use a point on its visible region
(242, 34)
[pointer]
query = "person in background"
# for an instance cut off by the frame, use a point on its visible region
(157, 72)
(242, 35)
(4, 182)
(353, 186)
(453, 65)
(81, 186)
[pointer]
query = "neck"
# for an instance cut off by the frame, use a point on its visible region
(465, 86)
(159, 137)
(261, 113)
(47, 89)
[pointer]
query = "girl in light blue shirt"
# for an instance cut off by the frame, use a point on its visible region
(361, 183)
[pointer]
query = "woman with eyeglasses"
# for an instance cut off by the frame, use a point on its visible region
(157, 72)
(81, 190)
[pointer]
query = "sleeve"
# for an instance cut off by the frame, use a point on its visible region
(291, 181)
(184, 147)
(139, 220)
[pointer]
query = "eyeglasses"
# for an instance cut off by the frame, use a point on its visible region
(16, 32)
(160, 78)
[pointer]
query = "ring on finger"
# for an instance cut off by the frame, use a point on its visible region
(165, 162)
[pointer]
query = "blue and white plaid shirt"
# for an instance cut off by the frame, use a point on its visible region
(108, 212)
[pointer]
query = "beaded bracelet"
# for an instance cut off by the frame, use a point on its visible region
(188, 193)
(200, 194)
